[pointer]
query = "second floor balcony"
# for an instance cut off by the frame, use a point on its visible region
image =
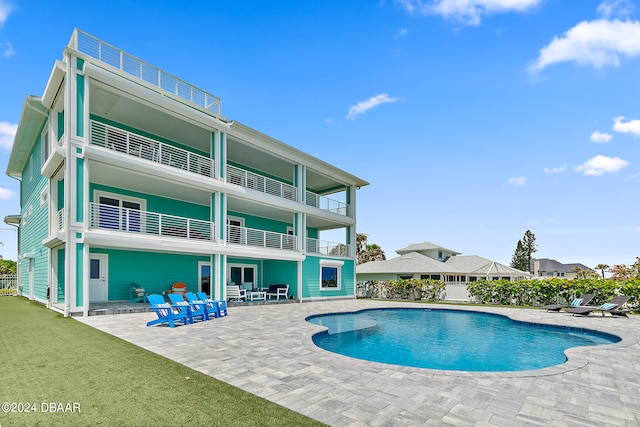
(115, 218)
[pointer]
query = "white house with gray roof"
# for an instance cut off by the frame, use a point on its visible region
(430, 261)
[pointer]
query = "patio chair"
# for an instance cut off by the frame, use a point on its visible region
(166, 313)
(277, 291)
(616, 307)
(178, 301)
(138, 294)
(236, 293)
(582, 300)
(198, 307)
(219, 306)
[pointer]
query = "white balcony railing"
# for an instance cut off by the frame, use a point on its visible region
(254, 181)
(61, 218)
(327, 204)
(327, 248)
(140, 146)
(110, 55)
(107, 217)
(261, 238)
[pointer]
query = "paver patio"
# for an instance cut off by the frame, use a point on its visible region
(268, 351)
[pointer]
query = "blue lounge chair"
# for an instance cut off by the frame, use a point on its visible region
(178, 302)
(166, 313)
(198, 307)
(219, 307)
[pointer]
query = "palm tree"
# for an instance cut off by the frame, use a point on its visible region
(371, 252)
(602, 268)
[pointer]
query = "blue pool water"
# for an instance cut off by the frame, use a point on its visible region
(450, 339)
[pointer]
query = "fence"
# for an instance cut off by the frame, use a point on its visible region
(8, 284)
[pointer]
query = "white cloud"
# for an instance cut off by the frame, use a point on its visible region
(5, 10)
(469, 12)
(600, 138)
(6, 194)
(632, 126)
(557, 169)
(364, 106)
(403, 32)
(7, 133)
(518, 181)
(599, 165)
(598, 43)
(609, 8)
(7, 49)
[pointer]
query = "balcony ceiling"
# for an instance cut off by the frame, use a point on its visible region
(113, 105)
(122, 108)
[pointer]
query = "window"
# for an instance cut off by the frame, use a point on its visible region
(234, 230)
(330, 277)
(406, 277)
(44, 197)
(439, 254)
(45, 144)
(117, 213)
(243, 275)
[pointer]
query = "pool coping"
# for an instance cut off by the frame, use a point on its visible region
(575, 359)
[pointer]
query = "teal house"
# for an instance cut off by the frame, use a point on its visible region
(129, 174)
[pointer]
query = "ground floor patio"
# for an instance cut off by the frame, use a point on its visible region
(267, 350)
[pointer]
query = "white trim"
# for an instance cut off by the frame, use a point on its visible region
(44, 196)
(45, 144)
(330, 263)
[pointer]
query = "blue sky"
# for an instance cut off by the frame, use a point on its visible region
(473, 120)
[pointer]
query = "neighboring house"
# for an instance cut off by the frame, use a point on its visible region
(129, 174)
(545, 267)
(429, 261)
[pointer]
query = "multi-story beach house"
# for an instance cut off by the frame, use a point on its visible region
(129, 174)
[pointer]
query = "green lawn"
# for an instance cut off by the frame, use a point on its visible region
(46, 358)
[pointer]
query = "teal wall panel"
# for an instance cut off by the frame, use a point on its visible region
(277, 271)
(61, 260)
(259, 223)
(311, 279)
(80, 190)
(35, 225)
(80, 107)
(158, 204)
(79, 274)
(154, 271)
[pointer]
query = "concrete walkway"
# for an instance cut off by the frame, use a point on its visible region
(268, 351)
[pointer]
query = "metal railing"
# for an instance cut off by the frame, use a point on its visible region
(61, 219)
(327, 248)
(122, 141)
(261, 238)
(107, 217)
(327, 204)
(254, 181)
(111, 55)
(8, 284)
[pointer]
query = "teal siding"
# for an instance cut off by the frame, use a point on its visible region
(311, 279)
(154, 271)
(159, 204)
(276, 271)
(35, 225)
(61, 259)
(80, 189)
(312, 233)
(263, 223)
(80, 104)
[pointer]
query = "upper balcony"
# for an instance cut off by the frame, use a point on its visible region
(139, 69)
(146, 148)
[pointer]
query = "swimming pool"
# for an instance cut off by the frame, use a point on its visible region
(450, 339)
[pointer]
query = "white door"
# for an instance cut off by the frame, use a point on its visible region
(98, 278)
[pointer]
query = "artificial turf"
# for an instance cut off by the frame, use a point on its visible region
(64, 372)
